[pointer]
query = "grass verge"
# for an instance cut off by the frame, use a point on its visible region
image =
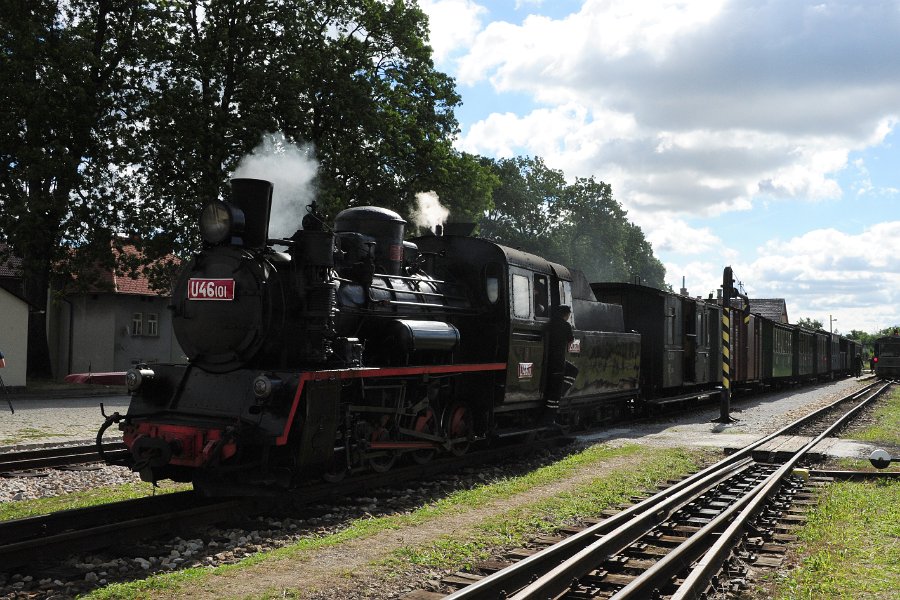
(516, 526)
(652, 467)
(887, 426)
(94, 497)
(849, 546)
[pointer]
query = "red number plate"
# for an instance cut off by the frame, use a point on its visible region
(210, 289)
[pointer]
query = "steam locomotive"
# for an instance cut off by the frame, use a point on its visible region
(354, 348)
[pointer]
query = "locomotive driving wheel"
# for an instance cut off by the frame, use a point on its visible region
(336, 468)
(458, 427)
(426, 422)
(381, 461)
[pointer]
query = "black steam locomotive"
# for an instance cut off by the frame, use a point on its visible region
(353, 348)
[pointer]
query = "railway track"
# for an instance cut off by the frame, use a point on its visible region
(671, 545)
(46, 537)
(57, 456)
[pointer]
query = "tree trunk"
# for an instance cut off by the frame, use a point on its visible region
(36, 287)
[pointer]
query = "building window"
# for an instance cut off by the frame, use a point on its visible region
(137, 324)
(152, 324)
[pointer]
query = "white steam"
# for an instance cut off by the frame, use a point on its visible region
(291, 168)
(429, 212)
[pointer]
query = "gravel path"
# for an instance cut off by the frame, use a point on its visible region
(56, 420)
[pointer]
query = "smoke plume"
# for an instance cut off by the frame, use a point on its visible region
(430, 212)
(291, 168)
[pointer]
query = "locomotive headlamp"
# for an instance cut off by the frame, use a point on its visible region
(134, 378)
(219, 221)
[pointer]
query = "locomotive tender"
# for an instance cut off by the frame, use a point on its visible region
(355, 348)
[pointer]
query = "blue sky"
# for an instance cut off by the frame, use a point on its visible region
(761, 135)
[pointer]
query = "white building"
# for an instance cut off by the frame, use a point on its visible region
(13, 338)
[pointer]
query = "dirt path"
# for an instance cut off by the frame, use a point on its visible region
(346, 571)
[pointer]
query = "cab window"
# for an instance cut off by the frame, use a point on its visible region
(565, 297)
(492, 276)
(521, 293)
(541, 297)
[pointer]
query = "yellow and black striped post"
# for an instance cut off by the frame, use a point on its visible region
(727, 295)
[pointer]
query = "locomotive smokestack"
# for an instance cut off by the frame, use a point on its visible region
(254, 198)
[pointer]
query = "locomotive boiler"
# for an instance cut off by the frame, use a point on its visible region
(353, 348)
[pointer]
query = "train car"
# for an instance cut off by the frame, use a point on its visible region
(777, 352)
(354, 348)
(850, 356)
(835, 359)
(681, 340)
(746, 351)
(822, 358)
(887, 357)
(804, 342)
(854, 357)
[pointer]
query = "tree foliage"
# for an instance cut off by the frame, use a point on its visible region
(62, 80)
(354, 78)
(129, 115)
(808, 323)
(578, 224)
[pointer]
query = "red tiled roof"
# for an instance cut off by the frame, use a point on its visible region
(106, 281)
(126, 284)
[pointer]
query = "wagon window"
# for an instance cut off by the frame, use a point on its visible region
(521, 292)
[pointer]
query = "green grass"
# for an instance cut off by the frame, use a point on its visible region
(94, 497)
(524, 522)
(863, 464)
(650, 468)
(887, 428)
(849, 547)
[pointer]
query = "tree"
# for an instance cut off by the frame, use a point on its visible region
(126, 116)
(63, 84)
(352, 77)
(579, 224)
(808, 323)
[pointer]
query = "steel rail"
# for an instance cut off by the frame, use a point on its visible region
(553, 558)
(56, 456)
(733, 519)
(38, 538)
(712, 561)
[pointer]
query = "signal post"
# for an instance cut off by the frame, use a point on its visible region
(728, 292)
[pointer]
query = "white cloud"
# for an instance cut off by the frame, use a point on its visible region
(668, 234)
(697, 106)
(854, 278)
(453, 24)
